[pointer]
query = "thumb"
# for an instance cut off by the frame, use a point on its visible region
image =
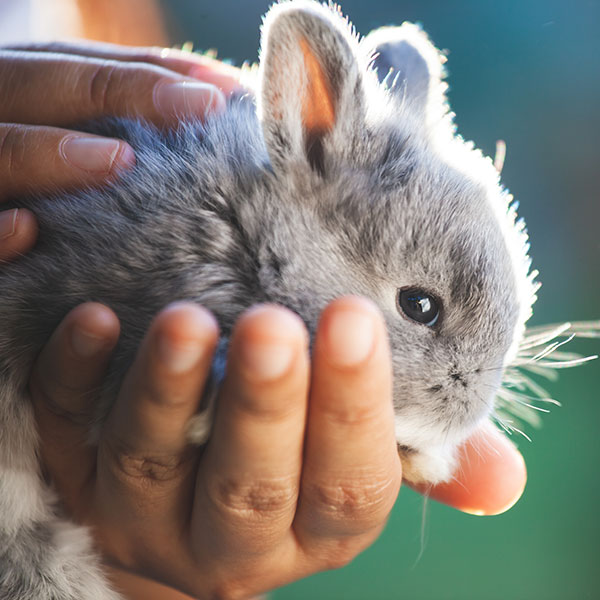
(490, 478)
(64, 380)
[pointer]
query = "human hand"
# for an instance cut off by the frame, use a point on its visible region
(296, 478)
(47, 89)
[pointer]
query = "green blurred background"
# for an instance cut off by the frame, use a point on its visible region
(527, 72)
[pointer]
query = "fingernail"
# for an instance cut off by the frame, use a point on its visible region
(350, 337)
(95, 154)
(225, 81)
(179, 357)
(8, 223)
(188, 98)
(85, 344)
(268, 356)
(518, 492)
(267, 361)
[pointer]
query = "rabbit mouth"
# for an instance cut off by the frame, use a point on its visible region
(410, 472)
(427, 467)
(405, 451)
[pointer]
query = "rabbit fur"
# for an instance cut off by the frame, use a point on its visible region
(343, 176)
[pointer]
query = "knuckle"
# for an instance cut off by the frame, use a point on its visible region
(144, 469)
(13, 77)
(255, 500)
(103, 88)
(354, 506)
(13, 142)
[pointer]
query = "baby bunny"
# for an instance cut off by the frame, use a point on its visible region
(344, 176)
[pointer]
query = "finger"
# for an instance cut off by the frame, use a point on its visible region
(490, 479)
(134, 586)
(77, 89)
(225, 77)
(63, 385)
(44, 159)
(18, 232)
(352, 472)
(143, 455)
(248, 480)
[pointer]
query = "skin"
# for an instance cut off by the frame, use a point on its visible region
(38, 151)
(301, 471)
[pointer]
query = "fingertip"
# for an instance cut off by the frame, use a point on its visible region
(180, 99)
(18, 232)
(266, 341)
(350, 330)
(225, 77)
(218, 104)
(270, 321)
(491, 477)
(354, 302)
(95, 156)
(186, 320)
(125, 158)
(184, 335)
(94, 329)
(506, 475)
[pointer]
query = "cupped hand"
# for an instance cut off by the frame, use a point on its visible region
(300, 473)
(45, 90)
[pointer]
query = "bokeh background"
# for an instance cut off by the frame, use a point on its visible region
(527, 73)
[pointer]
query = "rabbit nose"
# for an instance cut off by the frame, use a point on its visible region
(457, 377)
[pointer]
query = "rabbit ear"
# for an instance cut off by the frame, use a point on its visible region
(311, 99)
(410, 66)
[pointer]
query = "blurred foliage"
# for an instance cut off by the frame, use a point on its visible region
(527, 73)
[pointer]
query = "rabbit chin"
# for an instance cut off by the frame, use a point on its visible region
(435, 465)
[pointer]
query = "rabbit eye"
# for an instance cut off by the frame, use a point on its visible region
(419, 306)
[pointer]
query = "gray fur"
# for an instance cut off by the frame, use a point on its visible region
(408, 64)
(233, 212)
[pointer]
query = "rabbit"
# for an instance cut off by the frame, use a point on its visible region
(342, 174)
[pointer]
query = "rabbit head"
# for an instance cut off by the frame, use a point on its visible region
(372, 193)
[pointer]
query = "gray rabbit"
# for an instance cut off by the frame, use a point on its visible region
(344, 176)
